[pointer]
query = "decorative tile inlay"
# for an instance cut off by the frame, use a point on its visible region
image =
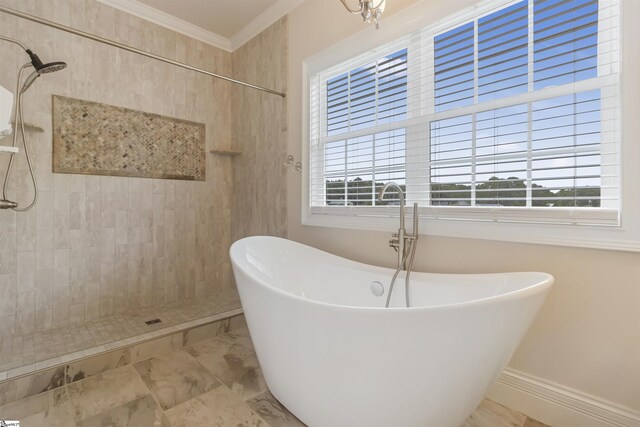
(99, 139)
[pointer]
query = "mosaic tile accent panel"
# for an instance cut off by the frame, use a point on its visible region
(99, 139)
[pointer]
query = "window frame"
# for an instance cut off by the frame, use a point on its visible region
(449, 221)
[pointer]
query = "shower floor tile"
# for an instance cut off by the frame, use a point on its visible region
(20, 354)
(129, 396)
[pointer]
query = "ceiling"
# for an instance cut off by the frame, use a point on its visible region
(227, 24)
(222, 17)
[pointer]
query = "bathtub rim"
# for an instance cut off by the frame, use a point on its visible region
(540, 286)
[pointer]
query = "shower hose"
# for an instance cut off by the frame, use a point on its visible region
(19, 121)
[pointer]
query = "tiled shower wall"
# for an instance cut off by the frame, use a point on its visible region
(94, 246)
(260, 131)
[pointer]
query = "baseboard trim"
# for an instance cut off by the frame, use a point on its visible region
(557, 405)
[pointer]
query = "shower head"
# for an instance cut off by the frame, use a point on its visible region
(52, 67)
(44, 68)
(35, 61)
(41, 68)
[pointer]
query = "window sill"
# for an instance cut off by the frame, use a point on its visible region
(583, 236)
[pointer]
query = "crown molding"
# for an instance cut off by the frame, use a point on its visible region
(263, 21)
(148, 13)
(273, 13)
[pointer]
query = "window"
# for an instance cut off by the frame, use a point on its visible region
(364, 98)
(503, 113)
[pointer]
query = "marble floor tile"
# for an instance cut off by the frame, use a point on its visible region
(50, 409)
(534, 423)
(21, 388)
(214, 383)
(175, 378)
(491, 414)
(232, 359)
(219, 407)
(272, 411)
(105, 391)
(142, 412)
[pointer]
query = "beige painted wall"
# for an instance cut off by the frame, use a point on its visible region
(587, 335)
(94, 246)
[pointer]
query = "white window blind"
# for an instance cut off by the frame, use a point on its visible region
(507, 111)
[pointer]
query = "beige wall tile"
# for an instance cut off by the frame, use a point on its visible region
(259, 177)
(130, 242)
(8, 294)
(8, 254)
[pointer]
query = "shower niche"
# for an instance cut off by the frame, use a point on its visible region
(99, 139)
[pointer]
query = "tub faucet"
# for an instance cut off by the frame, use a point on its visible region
(401, 241)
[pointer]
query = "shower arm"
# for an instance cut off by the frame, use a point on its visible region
(130, 49)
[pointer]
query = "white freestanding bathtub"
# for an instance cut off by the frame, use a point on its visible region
(334, 356)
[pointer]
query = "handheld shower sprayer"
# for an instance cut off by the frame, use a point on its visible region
(39, 68)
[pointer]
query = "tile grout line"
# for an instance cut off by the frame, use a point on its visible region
(244, 401)
(256, 412)
(155, 399)
(256, 395)
(222, 384)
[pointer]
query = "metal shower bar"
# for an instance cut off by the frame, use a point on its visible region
(132, 49)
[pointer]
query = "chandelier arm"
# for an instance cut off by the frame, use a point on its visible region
(355, 12)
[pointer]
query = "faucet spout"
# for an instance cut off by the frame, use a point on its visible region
(398, 189)
(398, 244)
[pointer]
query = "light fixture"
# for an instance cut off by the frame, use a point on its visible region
(369, 10)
